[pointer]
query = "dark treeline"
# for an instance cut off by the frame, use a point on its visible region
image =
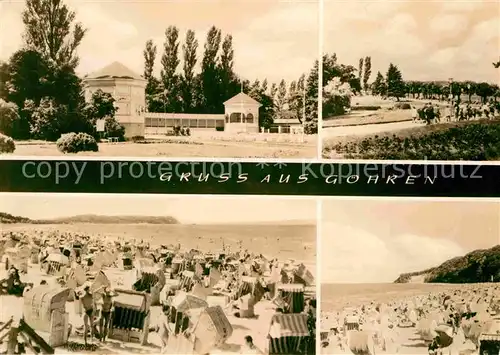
(179, 88)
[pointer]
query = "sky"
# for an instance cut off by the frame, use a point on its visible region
(426, 39)
(375, 241)
(267, 34)
(190, 209)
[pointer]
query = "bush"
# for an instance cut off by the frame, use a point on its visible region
(219, 129)
(311, 127)
(6, 144)
(9, 115)
(77, 142)
(138, 138)
(48, 121)
(365, 108)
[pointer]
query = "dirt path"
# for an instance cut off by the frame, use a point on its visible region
(362, 130)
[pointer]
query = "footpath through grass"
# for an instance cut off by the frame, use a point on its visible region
(476, 141)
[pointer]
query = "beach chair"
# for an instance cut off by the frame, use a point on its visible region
(131, 317)
(287, 332)
(44, 310)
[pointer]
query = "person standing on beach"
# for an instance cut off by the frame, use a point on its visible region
(87, 300)
(164, 329)
(107, 305)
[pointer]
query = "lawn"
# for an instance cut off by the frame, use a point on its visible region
(257, 146)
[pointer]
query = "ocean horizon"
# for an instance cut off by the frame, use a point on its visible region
(334, 297)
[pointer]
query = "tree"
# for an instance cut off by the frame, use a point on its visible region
(49, 31)
(281, 97)
(469, 89)
(296, 98)
(189, 88)
(27, 77)
(379, 87)
(152, 85)
(264, 86)
(395, 83)
(311, 104)
(485, 90)
(273, 91)
(360, 69)
(4, 77)
(367, 73)
(170, 61)
(209, 72)
(228, 83)
(255, 87)
(149, 59)
(336, 98)
(266, 111)
(101, 106)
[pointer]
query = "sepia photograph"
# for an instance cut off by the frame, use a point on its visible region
(151, 274)
(411, 80)
(410, 277)
(159, 78)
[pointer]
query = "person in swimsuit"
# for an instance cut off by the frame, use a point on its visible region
(87, 300)
(107, 305)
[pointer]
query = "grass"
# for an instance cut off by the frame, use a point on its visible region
(282, 241)
(469, 140)
(182, 148)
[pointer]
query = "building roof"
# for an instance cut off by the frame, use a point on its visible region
(115, 70)
(242, 99)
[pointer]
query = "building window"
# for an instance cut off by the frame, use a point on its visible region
(193, 123)
(202, 123)
(219, 123)
(236, 117)
(148, 122)
(227, 118)
(249, 118)
(210, 123)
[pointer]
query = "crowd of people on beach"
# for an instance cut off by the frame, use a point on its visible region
(187, 297)
(461, 320)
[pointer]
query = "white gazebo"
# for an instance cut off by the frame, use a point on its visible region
(129, 91)
(241, 114)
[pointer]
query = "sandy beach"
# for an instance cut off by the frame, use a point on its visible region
(108, 241)
(403, 318)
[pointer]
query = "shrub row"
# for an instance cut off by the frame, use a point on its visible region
(475, 141)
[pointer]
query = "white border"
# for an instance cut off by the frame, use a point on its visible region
(319, 256)
(319, 140)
